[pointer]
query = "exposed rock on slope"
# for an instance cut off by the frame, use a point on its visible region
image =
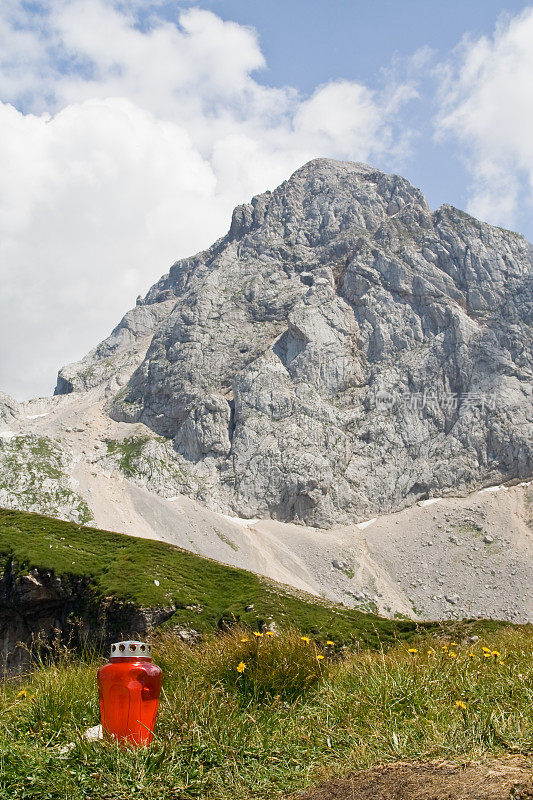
(342, 352)
(9, 409)
(39, 608)
(35, 468)
(113, 361)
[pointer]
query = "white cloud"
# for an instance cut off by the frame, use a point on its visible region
(125, 149)
(487, 105)
(96, 201)
(346, 111)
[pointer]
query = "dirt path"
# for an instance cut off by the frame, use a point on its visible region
(502, 779)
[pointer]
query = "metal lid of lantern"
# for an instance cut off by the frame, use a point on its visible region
(131, 649)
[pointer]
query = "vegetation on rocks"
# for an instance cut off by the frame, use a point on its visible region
(127, 451)
(35, 475)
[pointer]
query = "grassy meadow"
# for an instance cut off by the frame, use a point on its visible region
(261, 716)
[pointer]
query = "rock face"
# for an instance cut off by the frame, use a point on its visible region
(341, 352)
(113, 361)
(40, 611)
(9, 409)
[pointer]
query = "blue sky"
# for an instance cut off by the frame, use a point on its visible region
(130, 130)
(310, 42)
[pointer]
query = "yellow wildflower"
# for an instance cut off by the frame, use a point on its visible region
(258, 634)
(22, 694)
(330, 643)
(470, 655)
(453, 644)
(269, 633)
(444, 646)
(495, 653)
(413, 650)
(460, 704)
(241, 667)
(452, 655)
(487, 655)
(486, 649)
(431, 651)
(320, 657)
(305, 639)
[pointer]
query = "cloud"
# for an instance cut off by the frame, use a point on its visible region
(99, 198)
(346, 111)
(487, 106)
(124, 147)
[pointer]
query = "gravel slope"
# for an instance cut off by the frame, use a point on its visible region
(438, 559)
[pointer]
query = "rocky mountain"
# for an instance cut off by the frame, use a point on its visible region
(342, 352)
(343, 359)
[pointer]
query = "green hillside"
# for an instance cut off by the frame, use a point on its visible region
(204, 591)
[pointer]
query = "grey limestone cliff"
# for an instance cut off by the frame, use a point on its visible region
(9, 409)
(341, 352)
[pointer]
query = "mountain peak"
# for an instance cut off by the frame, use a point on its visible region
(328, 194)
(342, 352)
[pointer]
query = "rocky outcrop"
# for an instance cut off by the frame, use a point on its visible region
(342, 352)
(40, 612)
(111, 363)
(36, 475)
(9, 409)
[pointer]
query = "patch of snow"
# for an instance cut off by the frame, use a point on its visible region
(245, 523)
(429, 502)
(366, 523)
(37, 416)
(492, 489)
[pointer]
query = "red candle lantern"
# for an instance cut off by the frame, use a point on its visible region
(128, 689)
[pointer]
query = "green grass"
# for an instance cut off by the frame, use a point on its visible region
(126, 567)
(287, 721)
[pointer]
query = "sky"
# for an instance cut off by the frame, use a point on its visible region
(130, 130)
